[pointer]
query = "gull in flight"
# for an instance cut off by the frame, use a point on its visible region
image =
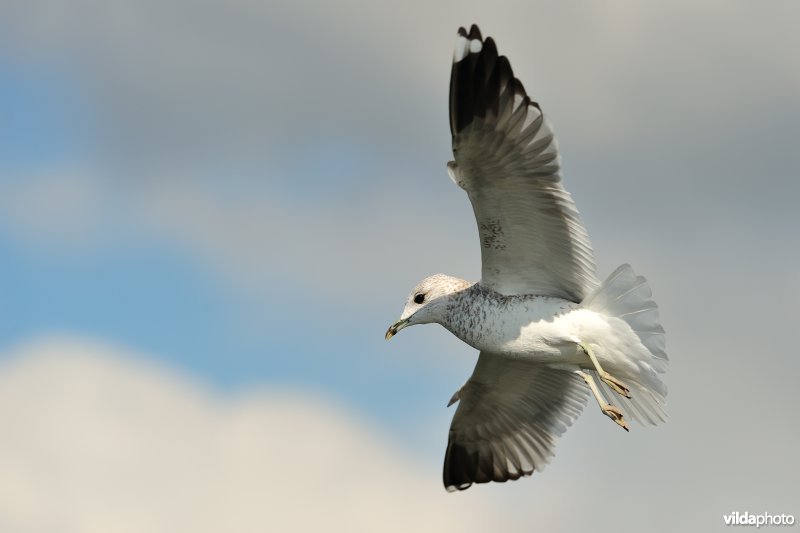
(549, 333)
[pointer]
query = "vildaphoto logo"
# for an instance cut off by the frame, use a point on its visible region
(764, 519)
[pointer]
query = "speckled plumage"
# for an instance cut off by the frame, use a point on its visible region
(485, 319)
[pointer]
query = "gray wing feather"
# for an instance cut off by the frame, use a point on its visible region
(509, 415)
(506, 158)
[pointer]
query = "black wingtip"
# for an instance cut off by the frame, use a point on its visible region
(459, 467)
(473, 61)
(480, 79)
(490, 47)
(463, 468)
(475, 33)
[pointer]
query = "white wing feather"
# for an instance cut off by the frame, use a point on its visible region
(506, 158)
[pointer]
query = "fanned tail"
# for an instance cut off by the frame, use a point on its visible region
(626, 296)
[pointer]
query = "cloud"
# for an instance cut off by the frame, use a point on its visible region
(61, 208)
(96, 439)
(244, 86)
(295, 145)
(252, 75)
(262, 136)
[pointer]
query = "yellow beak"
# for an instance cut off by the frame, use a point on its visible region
(394, 328)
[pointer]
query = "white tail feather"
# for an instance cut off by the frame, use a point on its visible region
(627, 296)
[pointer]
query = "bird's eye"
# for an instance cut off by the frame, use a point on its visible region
(419, 298)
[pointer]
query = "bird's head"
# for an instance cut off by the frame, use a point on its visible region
(428, 302)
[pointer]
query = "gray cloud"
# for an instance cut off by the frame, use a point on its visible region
(694, 104)
(172, 79)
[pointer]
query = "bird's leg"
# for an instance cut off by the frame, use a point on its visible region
(618, 386)
(609, 410)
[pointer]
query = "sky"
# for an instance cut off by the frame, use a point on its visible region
(210, 212)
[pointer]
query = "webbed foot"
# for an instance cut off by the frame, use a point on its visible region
(614, 414)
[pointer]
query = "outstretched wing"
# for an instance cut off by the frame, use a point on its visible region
(506, 158)
(509, 416)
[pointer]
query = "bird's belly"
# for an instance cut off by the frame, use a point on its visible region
(542, 331)
(539, 340)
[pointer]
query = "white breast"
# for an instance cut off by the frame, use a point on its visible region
(540, 328)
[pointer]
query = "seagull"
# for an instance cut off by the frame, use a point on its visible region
(548, 332)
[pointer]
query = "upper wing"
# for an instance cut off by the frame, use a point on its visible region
(507, 421)
(532, 237)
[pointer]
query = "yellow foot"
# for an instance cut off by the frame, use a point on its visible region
(614, 414)
(618, 386)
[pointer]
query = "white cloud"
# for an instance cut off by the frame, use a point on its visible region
(96, 440)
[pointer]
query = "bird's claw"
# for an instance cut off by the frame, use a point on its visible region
(616, 415)
(618, 386)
